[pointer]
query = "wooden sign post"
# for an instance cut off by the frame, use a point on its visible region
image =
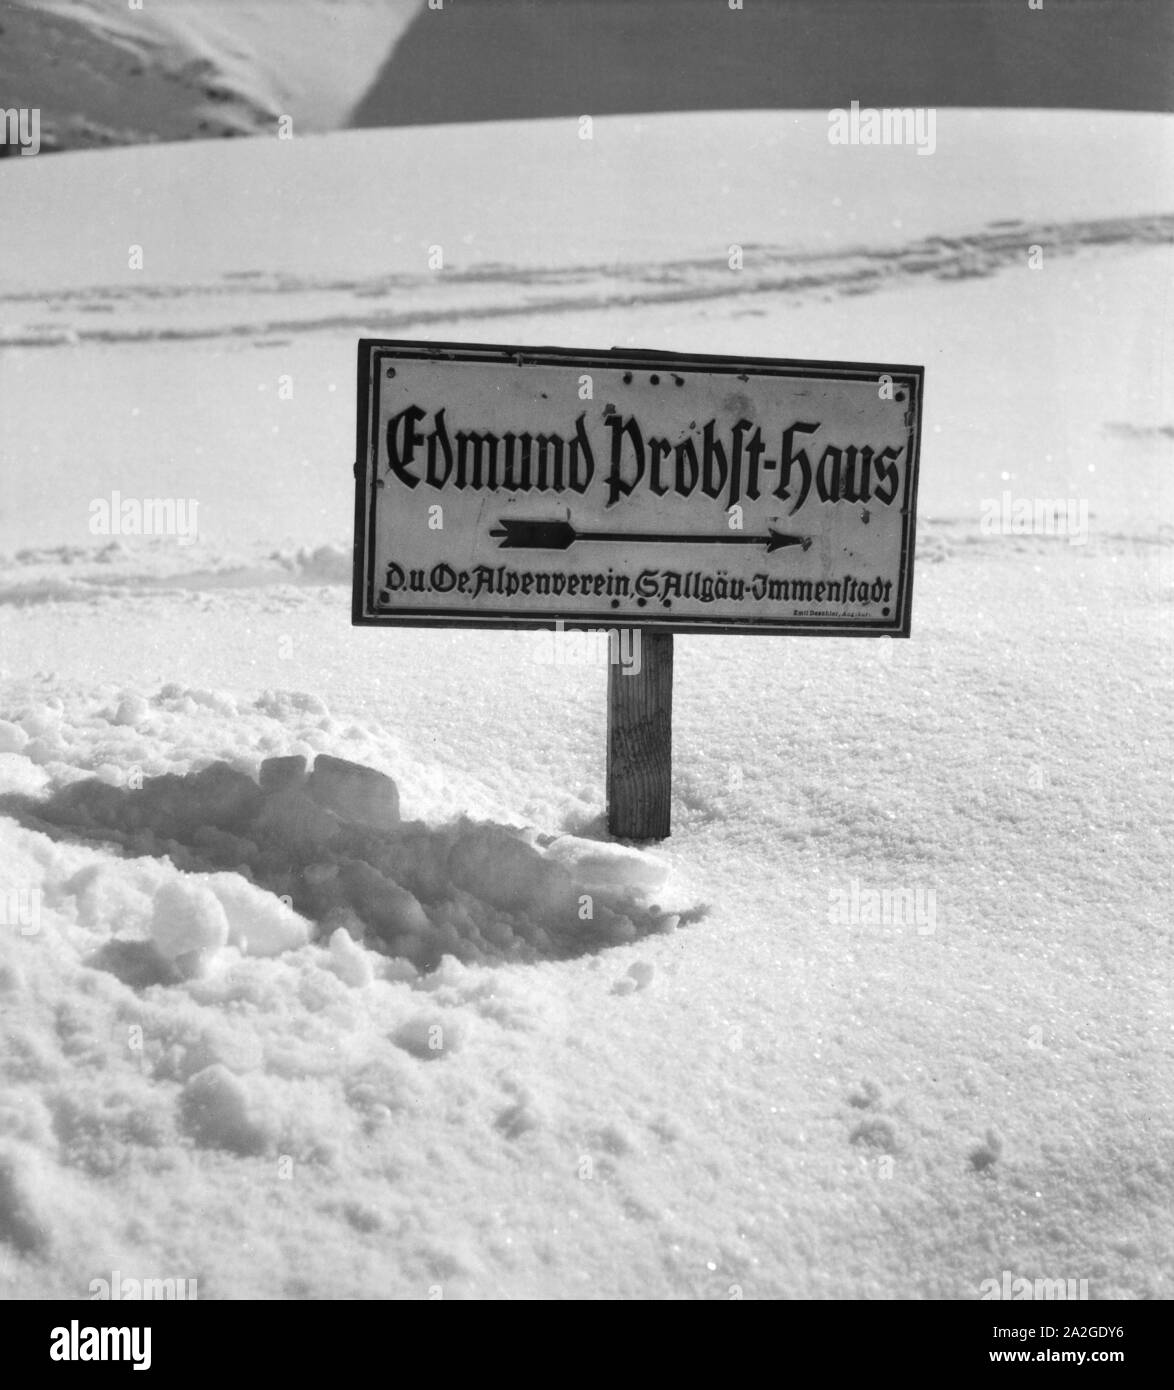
(650, 493)
(640, 741)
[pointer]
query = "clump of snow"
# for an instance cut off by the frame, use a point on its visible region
(188, 925)
(642, 972)
(356, 793)
(132, 710)
(24, 1215)
(349, 960)
(217, 1113)
(265, 858)
(13, 738)
(259, 924)
(602, 865)
(640, 975)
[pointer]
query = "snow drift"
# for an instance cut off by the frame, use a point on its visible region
(328, 847)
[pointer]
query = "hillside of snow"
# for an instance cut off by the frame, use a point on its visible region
(320, 975)
(118, 74)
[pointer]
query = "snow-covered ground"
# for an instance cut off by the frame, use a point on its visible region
(308, 1029)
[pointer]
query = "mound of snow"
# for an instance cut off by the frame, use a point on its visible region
(354, 792)
(189, 924)
(216, 1112)
(601, 865)
(259, 924)
(263, 860)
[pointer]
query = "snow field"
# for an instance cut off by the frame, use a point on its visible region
(804, 1092)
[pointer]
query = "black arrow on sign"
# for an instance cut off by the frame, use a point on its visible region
(561, 535)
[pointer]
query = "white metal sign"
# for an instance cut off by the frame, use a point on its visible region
(516, 487)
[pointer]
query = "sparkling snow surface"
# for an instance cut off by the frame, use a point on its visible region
(334, 1026)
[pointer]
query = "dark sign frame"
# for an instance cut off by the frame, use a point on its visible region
(373, 351)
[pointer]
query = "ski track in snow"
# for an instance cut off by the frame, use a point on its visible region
(490, 292)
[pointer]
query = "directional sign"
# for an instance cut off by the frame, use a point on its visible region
(520, 487)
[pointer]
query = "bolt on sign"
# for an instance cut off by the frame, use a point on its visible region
(535, 487)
